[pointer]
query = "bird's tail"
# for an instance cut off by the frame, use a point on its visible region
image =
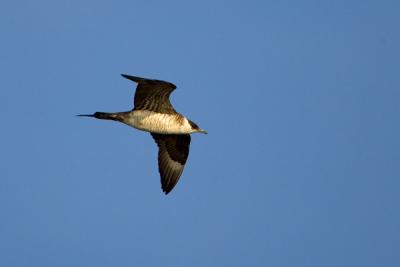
(102, 116)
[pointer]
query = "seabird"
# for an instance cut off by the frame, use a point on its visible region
(154, 113)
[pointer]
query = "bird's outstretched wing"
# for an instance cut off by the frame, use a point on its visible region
(172, 155)
(152, 95)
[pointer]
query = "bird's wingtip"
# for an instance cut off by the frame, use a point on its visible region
(132, 78)
(166, 191)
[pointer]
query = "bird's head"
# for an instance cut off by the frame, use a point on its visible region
(196, 128)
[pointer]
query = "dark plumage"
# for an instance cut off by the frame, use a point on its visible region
(171, 131)
(152, 95)
(172, 155)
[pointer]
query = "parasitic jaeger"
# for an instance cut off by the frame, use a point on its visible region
(154, 113)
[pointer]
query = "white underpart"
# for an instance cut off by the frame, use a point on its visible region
(161, 123)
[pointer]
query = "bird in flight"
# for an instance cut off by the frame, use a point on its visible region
(154, 113)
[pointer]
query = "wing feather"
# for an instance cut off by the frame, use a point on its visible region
(152, 95)
(173, 151)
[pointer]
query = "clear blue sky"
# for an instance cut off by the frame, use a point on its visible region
(301, 165)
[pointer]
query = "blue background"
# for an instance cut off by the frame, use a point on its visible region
(301, 165)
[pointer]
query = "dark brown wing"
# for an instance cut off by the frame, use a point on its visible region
(152, 95)
(172, 155)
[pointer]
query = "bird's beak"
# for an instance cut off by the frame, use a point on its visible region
(203, 131)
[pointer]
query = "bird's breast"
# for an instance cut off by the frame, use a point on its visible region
(155, 122)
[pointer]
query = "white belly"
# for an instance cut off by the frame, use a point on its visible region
(154, 122)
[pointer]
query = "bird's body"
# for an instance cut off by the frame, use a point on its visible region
(154, 113)
(161, 123)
